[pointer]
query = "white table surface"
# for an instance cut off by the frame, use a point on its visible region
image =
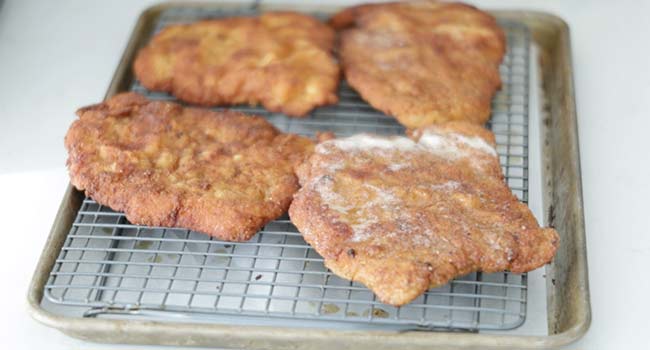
(57, 56)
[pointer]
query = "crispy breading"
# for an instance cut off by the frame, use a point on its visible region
(403, 215)
(222, 173)
(282, 60)
(422, 62)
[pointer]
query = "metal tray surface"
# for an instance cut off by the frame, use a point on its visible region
(101, 265)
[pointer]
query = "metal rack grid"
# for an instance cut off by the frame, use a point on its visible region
(109, 266)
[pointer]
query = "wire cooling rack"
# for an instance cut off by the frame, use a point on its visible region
(108, 266)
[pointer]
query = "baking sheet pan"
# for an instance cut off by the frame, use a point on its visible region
(568, 290)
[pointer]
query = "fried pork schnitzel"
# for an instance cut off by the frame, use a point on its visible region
(222, 173)
(403, 215)
(282, 60)
(422, 62)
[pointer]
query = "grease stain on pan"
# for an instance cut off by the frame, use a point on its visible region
(376, 313)
(143, 245)
(155, 259)
(329, 309)
(221, 260)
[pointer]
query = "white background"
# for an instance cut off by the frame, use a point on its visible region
(57, 56)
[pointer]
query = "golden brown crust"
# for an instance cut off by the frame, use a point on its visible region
(223, 173)
(402, 215)
(423, 62)
(282, 60)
